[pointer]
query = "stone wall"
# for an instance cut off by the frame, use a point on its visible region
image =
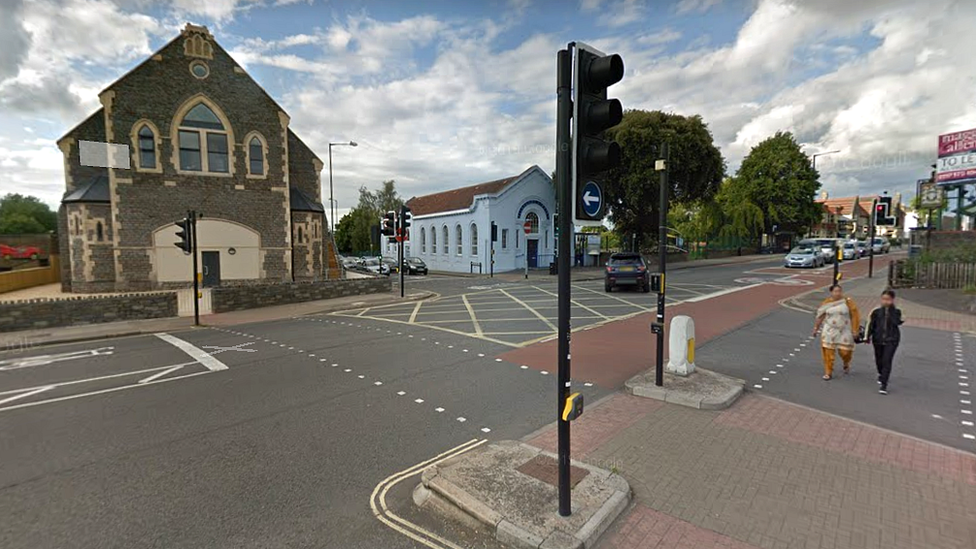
(51, 313)
(249, 297)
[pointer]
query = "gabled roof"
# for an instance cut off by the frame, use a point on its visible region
(301, 202)
(847, 204)
(459, 199)
(92, 190)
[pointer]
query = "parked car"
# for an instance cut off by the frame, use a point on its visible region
(350, 263)
(850, 251)
(627, 269)
(881, 245)
(414, 266)
(375, 266)
(804, 256)
(862, 246)
(391, 264)
(19, 252)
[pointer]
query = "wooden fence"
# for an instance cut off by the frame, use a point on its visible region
(915, 274)
(28, 278)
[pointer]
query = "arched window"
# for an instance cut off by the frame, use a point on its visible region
(147, 148)
(203, 142)
(423, 240)
(99, 232)
(433, 240)
(255, 156)
(460, 239)
(447, 236)
(299, 235)
(474, 239)
(533, 220)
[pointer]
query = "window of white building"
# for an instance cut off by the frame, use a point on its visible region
(474, 239)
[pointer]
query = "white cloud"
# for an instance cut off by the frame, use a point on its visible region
(878, 79)
(700, 6)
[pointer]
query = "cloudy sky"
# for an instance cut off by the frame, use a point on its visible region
(441, 93)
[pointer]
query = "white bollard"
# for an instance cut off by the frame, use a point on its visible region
(681, 361)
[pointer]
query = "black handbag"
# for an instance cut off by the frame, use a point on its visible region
(859, 338)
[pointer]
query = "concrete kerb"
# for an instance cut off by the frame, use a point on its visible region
(702, 390)
(598, 499)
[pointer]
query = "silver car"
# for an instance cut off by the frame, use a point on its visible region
(804, 257)
(850, 251)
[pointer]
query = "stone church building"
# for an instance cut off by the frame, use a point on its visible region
(202, 135)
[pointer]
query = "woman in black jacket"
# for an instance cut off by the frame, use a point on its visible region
(884, 332)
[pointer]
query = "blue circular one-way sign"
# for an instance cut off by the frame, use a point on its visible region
(592, 198)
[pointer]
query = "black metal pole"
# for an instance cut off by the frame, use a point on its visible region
(662, 258)
(565, 203)
(402, 232)
(491, 254)
(837, 258)
(874, 217)
(192, 216)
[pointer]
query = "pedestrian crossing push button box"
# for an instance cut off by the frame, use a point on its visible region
(657, 283)
(573, 408)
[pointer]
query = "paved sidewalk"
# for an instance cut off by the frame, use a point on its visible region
(32, 338)
(772, 475)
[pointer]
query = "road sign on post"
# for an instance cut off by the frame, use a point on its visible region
(592, 114)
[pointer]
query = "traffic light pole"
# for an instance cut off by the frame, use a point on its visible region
(564, 107)
(192, 216)
(662, 258)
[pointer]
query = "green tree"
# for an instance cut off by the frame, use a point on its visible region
(21, 214)
(778, 178)
(18, 223)
(696, 168)
(353, 230)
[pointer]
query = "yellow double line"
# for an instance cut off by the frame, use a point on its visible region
(377, 500)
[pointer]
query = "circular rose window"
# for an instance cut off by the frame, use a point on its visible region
(199, 69)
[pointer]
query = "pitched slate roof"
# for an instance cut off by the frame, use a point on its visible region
(301, 202)
(92, 190)
(459, 199)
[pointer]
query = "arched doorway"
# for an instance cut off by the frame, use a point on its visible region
(227, 251)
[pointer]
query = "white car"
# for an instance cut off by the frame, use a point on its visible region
(850, 251)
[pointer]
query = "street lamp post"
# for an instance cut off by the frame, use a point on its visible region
(332, 206)
(815, 155)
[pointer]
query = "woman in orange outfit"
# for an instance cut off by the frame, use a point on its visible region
(839, 319)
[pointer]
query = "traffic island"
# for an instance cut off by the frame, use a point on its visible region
(510, 489)
(702, 389)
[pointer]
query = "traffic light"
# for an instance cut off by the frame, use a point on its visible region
(592, 114)
(389, 223)
(185, 234)
(882, 212)
(405, 218)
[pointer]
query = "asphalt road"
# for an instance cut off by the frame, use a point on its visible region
(927, 390)
(275, 434)
(280, 449)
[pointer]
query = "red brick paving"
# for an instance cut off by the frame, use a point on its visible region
(796, 424)
(645, 528)
(611, 354)
(602, 423)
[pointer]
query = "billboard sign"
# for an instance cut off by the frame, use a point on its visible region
(957, 158)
